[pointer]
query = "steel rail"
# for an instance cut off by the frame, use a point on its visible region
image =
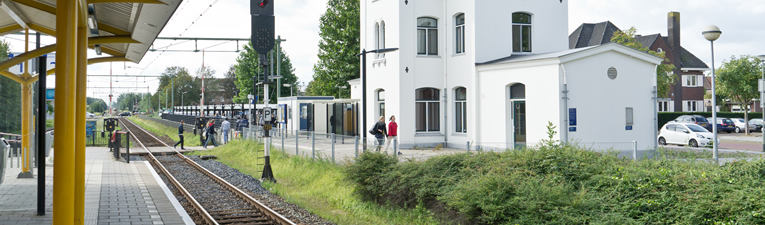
(273, 215)
(198, 207)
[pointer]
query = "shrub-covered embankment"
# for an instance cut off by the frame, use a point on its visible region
(566, 185)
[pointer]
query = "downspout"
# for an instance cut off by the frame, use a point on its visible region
(564, 132)
(655, 98)
(446, 60)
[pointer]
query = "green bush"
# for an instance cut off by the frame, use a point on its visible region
(560, 184)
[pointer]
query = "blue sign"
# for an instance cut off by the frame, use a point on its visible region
(572, 129)
(572, 116)
(628, 128)
(49, 93)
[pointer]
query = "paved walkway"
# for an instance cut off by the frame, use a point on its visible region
(115, 193)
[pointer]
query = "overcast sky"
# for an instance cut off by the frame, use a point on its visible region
(741, 22)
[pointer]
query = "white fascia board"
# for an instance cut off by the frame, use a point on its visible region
(612, 47)
(356, 81)
(151, 19)
(518, 64)
(689, 69)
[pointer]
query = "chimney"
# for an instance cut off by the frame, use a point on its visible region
(673, 30)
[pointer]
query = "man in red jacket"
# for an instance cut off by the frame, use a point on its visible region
(392, 134)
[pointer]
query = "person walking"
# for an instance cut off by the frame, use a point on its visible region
(211, 134)
(180, 135)
(392, 135)
(380, 132)
(225, 127)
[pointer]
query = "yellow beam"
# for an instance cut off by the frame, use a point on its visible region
(111, 29)
(128, 1)
(10, 29)
(107, 59)
(12, 76)
(42, 29)
(37, 5)
(66, 60)
(79, 141)
(111, 51)
(26, 56)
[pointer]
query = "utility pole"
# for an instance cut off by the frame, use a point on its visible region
(262, 12)
(279, 67)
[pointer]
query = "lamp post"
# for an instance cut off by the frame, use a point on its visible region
(339, 90)
(762, 97)
(182, 97)
(363, 55)
(289, 86)
(711, 33)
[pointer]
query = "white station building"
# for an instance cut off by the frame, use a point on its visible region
(496, 72)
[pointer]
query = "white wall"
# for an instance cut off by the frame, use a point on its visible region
(549, 26)
(600, 102)
(541, 78)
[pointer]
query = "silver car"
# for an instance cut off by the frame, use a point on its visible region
(741, 124)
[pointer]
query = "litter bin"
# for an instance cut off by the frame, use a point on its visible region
(48, 142)
(4, 148)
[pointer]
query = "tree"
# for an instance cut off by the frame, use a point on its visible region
(98, 106)
(338, 63)
(247, 67)
(10, 98)
(737, 80)
(665, 78)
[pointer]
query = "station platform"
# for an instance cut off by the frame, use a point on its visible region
(115, 193)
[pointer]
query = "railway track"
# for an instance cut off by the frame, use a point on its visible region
(215, 201)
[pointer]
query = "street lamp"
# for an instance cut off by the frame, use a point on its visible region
(711, 33)
(363, 55)
(182, 97)
(339, 90)
(762, 97)
(289, 86)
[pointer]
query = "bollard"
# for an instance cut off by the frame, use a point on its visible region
(468, 146)
(395, 148)
(634, 150)
(313, 144)
(356, 149)
(333, 147)
(283, 132)
(297, 134)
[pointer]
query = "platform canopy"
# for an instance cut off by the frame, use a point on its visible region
(124, 29)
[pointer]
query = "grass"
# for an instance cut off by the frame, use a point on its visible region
(48, 123)
(172, 132)
(319, 186)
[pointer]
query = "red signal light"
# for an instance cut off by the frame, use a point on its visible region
(263, 3)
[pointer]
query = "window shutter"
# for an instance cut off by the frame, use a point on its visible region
(699, 81)
(671, 106)
(685, 106)
(701, 105)
(684, 81)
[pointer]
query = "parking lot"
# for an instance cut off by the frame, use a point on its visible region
(738, 141)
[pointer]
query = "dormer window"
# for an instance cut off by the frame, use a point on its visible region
(521, 32)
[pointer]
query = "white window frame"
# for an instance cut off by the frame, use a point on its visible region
(427, 111)
(381, 38)
(427, 42)
(459, 30)
(521, 26)
(460, 104)
(693, 80)
(380, 102)
(377, 37)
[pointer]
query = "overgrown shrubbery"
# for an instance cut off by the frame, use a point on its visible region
(560, 184)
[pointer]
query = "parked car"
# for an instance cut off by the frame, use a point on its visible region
(757, 124)
(89, 115)
(125, 114)
(685, 134)
(724, 124)
(741, 124)
(694, 119)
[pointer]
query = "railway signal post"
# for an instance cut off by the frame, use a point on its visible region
(262, 13)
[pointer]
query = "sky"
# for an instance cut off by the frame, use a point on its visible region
(297, 21)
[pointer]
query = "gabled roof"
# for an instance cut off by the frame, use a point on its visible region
(647, 40)
(574, 54)
(592, 34)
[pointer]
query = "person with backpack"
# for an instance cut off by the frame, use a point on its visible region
(380, 132)
(210, 134)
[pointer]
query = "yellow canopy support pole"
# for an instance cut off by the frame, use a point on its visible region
(79, 141)
(66, 60)
(26, 108)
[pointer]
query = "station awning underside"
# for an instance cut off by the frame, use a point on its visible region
(124, 29)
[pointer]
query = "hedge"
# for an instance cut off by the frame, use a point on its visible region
(665, 117)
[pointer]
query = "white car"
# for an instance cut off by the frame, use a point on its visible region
(741, 124)
(685, 134)
(89, 115)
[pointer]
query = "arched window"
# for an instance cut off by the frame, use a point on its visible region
(381, 102)
(521, 32)
(381, 43)
(427, 36)
(460, 108)
(459, 31)
(427, 109)
(377, 36)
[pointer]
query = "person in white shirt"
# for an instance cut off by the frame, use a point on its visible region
(225, 127)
